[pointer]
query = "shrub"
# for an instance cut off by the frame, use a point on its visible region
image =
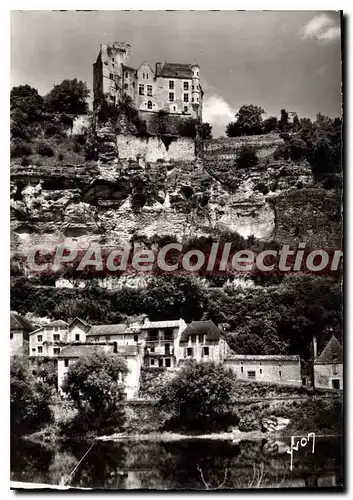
(19, 149)
(246, 157)
(60, 157)
(45, 149)
(297, 149)
(282, 152)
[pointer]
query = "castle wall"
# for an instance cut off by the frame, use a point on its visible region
(152, 149)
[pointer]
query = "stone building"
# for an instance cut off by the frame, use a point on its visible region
(47, 340)
(20, 329)
(278, 369)
(133, 356)
(328, 367)
(162, 342)
(202, 341)
(172, 87)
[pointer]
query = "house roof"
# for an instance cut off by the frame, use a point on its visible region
(118, 329)
(82, 350)
(128, 68)
(176, 70)
(262, 357)
(332, 354)
(18, 322)
(80, 320)
(207, 328)
(161, 324)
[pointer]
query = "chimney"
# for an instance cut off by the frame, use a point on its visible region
(314, 347)
(158, 68)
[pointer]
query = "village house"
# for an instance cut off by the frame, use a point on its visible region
(171, 87)
(202, 341)
(328, 367)
(278, 369)
(132, 354)
(162, 342)
(47, 340)
(119, 334)
(20, 329)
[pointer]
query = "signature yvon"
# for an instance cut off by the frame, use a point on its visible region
(302, 441)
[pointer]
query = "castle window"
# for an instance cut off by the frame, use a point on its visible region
(141, 89)
(160, 363)
(136, 337)
(152, 349)
(39, 338)
(174, 108)
(171, 96)
(146, 76)
(251, 374)
(56, 350)
(133, 84)
(186, 85)
(167, 363)
(111, 76)
(192, 99)
(186, 97)
(149, 89)
(185, 109)
(126, 86)
(151, 362)
(260, 371)
(56, 337)
(40, 349)
(149, 105)
(126, 74)
(280, 373)
(189, 351)
(143, 75)
(33, 349)
(206, 351)
(242, 369)
(197, 73)
(171, 85)
(66, 362)
(334, 369)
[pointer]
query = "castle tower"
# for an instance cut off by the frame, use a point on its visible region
(195, 94)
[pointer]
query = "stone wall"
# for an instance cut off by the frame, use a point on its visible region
(155, 148)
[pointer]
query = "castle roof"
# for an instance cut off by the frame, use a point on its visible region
(207, 328)
(18, 322)
(128, 68)
(332, 354)
(176, 70)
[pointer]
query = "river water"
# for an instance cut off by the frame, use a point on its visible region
(186, 464)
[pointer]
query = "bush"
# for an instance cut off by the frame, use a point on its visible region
(45, 149)
(282, 152)
(19, 149)
(246, 157)
(297, 149)
(25, 162)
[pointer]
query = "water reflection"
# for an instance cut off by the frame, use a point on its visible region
(188, 464)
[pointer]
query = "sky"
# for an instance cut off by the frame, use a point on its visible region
(274, 59)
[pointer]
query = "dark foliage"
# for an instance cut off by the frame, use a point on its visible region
(45, 149)
(246, 157)
(69, 97)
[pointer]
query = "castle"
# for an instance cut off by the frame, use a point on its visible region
(171, 87)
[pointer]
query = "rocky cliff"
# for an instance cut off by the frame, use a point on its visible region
(117, 199)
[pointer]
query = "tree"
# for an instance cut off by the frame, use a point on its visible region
(95, 382)
(29, 401)
(69, 97)
(283, 123)
(199, 392)
(26, 107)
(249, 121)
(246, 157)
(270, 124)
(206, 131)
(296, 123)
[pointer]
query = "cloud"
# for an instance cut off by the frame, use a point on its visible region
(321, 28)
(218, 113)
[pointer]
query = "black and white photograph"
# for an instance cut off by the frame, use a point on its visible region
(176, 250)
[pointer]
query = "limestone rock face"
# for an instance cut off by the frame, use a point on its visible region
(111, 200)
